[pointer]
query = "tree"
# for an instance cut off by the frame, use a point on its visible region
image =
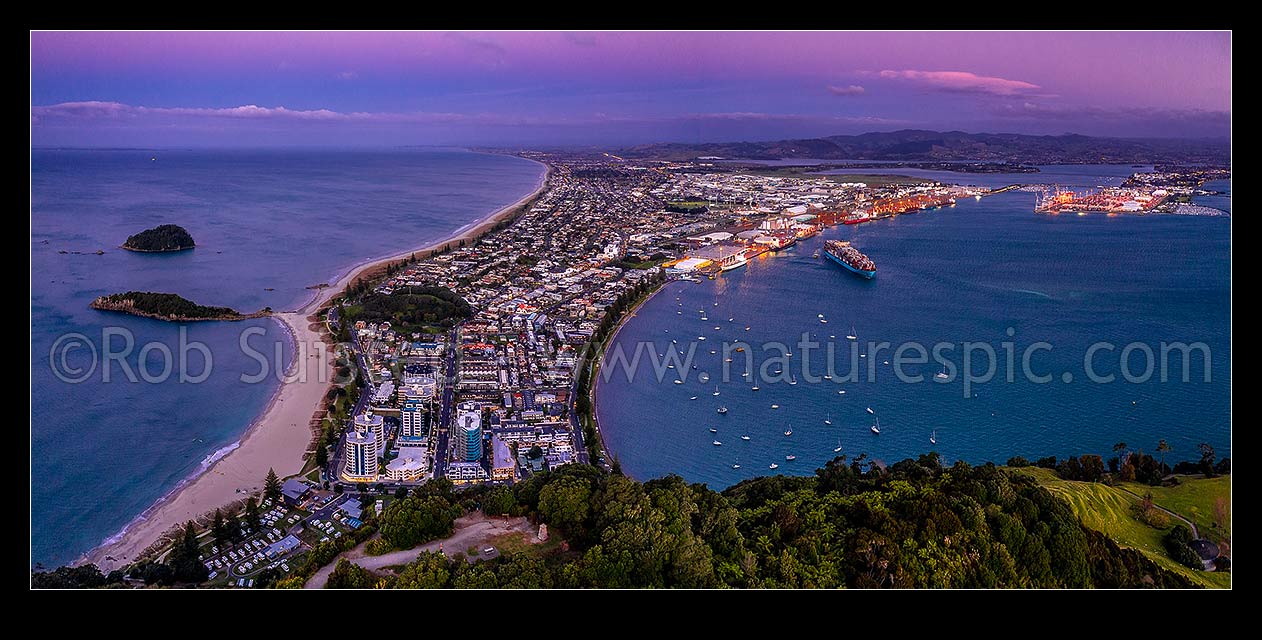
(416, 519)
(1207, 459)
(428, 571)
(1120, 449)
(565, 503)
(1162, 448)
(535, 452)
(271, 486)
(183, 560)
(322, 455)
(219, 530)
(498, 501)
(347, 575)
(252, 516)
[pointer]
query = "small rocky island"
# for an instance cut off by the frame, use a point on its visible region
(170, 307)
(160, 239)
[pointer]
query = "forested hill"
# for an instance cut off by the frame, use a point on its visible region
(914, 144)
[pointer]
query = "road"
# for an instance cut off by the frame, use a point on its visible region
(473, 530)
(445, 413)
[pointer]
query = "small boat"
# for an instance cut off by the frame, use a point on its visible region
(933, 437)
(861, 355)
(740, 349)
(775, 406)
(746, 438)
(755, 388)
(823, 321)
(722, 410)
(674, 342)
(790, 457)
(731, 319)
(841, 392)
(670, 366)
(942, 375)
(828, 419)
(871, 411)
(716, 304)
(876, 428)
(736, 466)
(788, 432)
(837, 449)
(712, 351)
(701, 337)
(774, 466)
(816, 254)
(728, 360)
(679, 382)
(693, 398)
(713, 430)
(747, 328)
(793, 382)
(819, 315)
(717, 443)
(717, 327)
(827, 377)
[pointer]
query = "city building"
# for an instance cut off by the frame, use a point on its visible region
(373, 424)
(502, 465)
(412, 418)
(467, 434)
(466, 472)
(407, 467)
(361, 456)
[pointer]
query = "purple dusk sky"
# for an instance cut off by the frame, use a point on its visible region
(519, 88)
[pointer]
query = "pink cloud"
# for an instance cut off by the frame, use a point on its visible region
(848, 90)
(962, 81)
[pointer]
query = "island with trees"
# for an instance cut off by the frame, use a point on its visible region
(170, 307)
(160, 239)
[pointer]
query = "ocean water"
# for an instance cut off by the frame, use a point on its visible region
(103, 451)
(986, 272)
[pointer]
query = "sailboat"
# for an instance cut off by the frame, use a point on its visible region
(736, 466)
(942, 375)
(837, 449)
(789, 431)
(716, 389)
(755, 388)
(876, 428)
(851, 335)
(933, 437)
(828, 419)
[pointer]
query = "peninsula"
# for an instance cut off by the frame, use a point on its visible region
(160, 239)
(170, 307)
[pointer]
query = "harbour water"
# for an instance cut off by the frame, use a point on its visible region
(268, 224)
(987, 271)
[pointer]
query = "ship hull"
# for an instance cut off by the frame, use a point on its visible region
(865, 274)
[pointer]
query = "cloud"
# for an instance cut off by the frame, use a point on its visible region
(346, 75)
(848, 90)
(98, 110)
(962, 82)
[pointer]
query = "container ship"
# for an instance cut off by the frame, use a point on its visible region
(842, 253)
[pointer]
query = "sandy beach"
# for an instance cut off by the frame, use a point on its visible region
(280, 437)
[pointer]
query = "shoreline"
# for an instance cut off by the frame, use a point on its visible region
(284, 426)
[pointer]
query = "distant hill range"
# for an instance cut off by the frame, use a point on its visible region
(918, 145)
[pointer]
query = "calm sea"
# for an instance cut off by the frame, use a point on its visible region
(986, 272)
(268, 224)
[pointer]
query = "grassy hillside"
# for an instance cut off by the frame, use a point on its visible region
(1194, 499)
(1109, 511)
